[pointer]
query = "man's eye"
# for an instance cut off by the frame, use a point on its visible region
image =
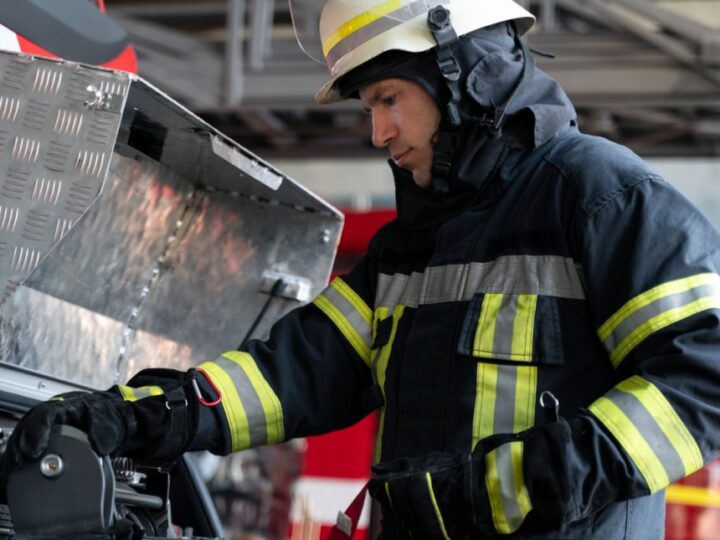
(390, 100)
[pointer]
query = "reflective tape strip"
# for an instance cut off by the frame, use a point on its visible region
(545, 275)
(232, 406)
(350, 314)
(505, 483)
(379, 368)
(369, 25)
(359, 22)
(524, 328)
(506, 326)
(656, 309)
(133, 394)
(504, 400)
(253, 410)
(650, 431)
(484, 342)
(438, 514)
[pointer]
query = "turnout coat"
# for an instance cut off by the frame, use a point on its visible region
(575, 270)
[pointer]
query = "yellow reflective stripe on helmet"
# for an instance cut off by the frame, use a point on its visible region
(133, 394)
(360, 21)
(650, 431)
(505, 399)
(379, 368)
(505, 483)
(253, 410)
(656, 309)
(350, 314)
(438, 514)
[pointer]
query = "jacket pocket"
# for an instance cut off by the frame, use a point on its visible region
(511, 336)
(512, 328)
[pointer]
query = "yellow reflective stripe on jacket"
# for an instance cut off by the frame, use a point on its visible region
(379, 368)
(656, 309)
(505, 399)
(505, 395)
(505, 483)
(133, 394)
(350, 314)
(650, 431)
(433, 500)
(506, 327)
(253, 410)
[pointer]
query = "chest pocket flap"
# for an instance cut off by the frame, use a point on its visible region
(519, 328)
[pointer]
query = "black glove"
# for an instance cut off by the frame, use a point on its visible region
(153, 430)
(440, 495)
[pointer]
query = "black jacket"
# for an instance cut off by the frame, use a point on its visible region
(575, 270)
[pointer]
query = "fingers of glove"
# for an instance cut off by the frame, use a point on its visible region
(33, 432)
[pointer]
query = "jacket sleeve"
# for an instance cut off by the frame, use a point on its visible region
(650, 261)
(311, 376)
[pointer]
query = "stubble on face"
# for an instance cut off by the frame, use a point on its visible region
(405, 120)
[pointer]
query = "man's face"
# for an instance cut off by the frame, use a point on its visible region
(405, 120)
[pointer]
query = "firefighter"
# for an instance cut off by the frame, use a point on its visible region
(539, 327)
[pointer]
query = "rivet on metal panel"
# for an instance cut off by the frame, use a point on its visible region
(98, 99)
(325, 238)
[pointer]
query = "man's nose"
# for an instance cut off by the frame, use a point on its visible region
(384, 129)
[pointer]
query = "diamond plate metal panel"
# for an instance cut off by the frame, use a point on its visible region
(56, 141)
(166, 260)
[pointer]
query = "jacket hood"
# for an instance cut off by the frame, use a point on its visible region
(492, 65)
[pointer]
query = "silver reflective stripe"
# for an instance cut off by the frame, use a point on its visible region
(352, 315)
(508, 494)
(505, 325)
(504, 421)
(546, 275)
(396, 289)
(658, 307)
(650, 431)
(355, 37)
(250, 401)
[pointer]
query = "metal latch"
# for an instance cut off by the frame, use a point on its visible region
(293, 287)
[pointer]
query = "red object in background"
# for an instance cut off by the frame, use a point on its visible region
(693, 506)
(337, 465)
(69, 29)
(359, 229)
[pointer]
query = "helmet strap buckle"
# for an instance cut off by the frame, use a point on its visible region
(438, 21)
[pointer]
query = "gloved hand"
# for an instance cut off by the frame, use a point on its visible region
(107, 419)
(156, 429)
(440, 495)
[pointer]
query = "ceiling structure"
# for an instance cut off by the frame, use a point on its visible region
(644, 73)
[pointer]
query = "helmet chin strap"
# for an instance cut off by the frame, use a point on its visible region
(446, 140)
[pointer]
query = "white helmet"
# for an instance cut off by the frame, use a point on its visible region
(352, 32)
